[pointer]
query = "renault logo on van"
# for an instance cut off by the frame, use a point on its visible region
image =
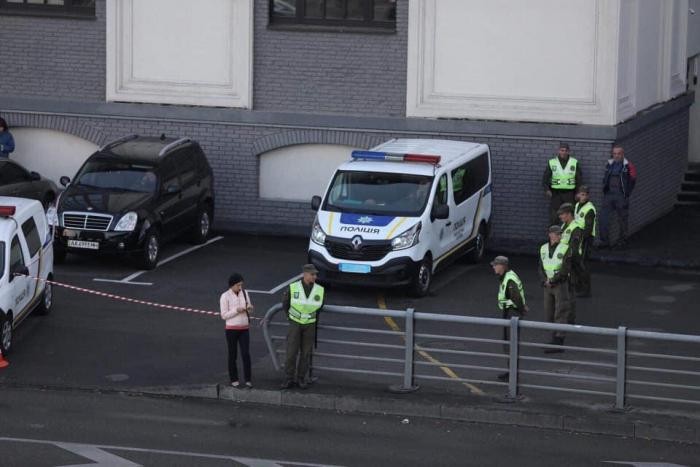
(356, 242)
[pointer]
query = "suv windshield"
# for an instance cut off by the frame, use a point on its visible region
(379, 193)
(114, 175)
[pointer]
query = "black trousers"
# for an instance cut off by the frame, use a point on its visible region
(235, 338)
(559, 197)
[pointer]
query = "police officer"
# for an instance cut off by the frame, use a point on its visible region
(555, 267)
(586, 216)
(302, 301)
(560, 179)
(511, 296)
(572, 236)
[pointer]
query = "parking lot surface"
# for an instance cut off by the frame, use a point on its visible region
(91, 341)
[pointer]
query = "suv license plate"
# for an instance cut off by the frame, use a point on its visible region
(356, 268)
(83, 244)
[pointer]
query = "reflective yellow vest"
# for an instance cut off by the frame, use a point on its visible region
(552, 264)
(563, 179)
(302, 309)
(569, 229)
(581, 212)
(503, 302)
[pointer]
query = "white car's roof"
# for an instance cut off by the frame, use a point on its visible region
(448, 151)
(23, 209)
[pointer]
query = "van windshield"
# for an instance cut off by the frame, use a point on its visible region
(378, 193)
(113, 175)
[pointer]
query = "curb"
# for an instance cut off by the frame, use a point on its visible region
(625, 424)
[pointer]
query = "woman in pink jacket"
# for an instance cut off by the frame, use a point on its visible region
(235, 308)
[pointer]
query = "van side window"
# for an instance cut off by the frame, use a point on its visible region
(476, 176)
(16, 256)
(441, 195)
(31, 234)
(459, 181)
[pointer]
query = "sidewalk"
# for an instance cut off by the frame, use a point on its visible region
(672, 241)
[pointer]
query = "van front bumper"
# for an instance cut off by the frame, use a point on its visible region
(396, 272)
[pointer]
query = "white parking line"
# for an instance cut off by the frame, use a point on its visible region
(128, 279)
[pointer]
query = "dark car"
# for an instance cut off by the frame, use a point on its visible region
(132, 195)
(17, 181)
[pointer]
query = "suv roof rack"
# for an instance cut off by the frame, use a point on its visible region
(118, 141)
(168, 147)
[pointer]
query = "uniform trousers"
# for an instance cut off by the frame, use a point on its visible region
(558, 304)
(559, 197)
(300, 339)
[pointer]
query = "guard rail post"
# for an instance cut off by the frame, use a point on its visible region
(621, 363)
(513, 360)
(409, 339)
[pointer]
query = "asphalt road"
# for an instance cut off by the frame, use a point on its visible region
(51, 428)
(91, 341)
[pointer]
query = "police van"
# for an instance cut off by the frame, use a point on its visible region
(26, 252)
(396, 214)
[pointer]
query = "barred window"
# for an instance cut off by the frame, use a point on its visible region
(362, 13)
(82, 8)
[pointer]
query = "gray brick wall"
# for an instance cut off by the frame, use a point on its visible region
(53, 57)
(330, 72)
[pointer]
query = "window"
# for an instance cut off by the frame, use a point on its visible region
(187, 165)
(16, 255)
(459, 181)
(367, 13)
(32, 235)
(441, 195)
(12, 173)
(469, 178)
(171, 179)
(49, 7)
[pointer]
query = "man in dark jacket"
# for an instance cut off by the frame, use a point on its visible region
(561, 177)
(618, 183)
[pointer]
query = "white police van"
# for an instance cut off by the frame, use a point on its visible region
(396, 214)
(25, 249)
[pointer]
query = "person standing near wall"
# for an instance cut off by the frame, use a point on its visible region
(561, 177)
(7, 142)
(618, 182)
(302, 301)
(586, 214)
(555, 268)
(511, 297)
(235, 308)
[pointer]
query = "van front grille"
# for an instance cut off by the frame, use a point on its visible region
(369, 250)
(86, 221)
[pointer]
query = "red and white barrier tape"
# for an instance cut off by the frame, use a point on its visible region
(130, 300)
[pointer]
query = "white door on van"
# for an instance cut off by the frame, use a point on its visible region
(442, 228)
(20, 285)
(466, 204)
(33, 234)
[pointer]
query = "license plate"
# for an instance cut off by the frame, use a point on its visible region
(355, 268)
(83, 244)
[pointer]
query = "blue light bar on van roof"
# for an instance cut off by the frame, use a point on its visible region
(387, 156)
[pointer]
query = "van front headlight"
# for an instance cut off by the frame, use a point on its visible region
(127, 223)
(318, 236)
(406, 239)
(52, 216)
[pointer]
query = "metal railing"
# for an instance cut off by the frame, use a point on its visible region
(619, 364)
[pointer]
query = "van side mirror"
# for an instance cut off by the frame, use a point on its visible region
(64, 180)
(34, 176)
(315, 203)
(441, 211)
(22, 270)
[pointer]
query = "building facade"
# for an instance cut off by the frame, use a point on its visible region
(278, 92)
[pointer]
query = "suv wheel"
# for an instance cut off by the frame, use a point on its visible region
(201, 229)
(420, 286)
(5, 333)
(151, 250)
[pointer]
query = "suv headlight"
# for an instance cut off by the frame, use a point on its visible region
(318, 236)
(406, 239)
(127, 223)
(52, 216)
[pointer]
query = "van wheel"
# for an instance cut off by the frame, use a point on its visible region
(5, 333)
(151, 250)
(202, 228)
(479, 252)
(420, 286)
(46, 303)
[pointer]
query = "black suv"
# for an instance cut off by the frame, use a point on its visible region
(131, 195)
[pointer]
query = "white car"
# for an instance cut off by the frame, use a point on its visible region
(394, 215)
(26, 252)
